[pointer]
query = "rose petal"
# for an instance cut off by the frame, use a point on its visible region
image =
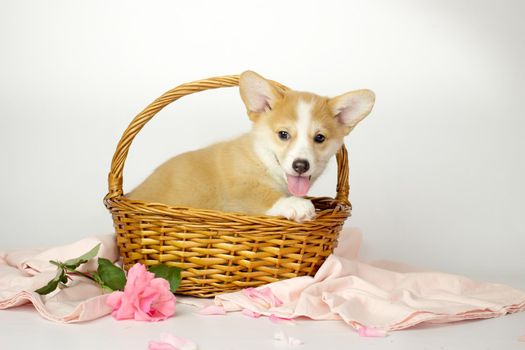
(371, 332)
(171, 342)
(138, 278)
(147, 297)
(281, 320)
(114, 299)
(287, 340)
(122, 309)
(250, 313)
(178, 342)
(212, 310)
(165, 302)
(156, 345)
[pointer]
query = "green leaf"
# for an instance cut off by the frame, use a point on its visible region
(53, 284)
(72, 264)
(169, 273)
(56, 263)
(112, 276)
(97, 278)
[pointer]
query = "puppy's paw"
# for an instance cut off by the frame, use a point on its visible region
(293, 208)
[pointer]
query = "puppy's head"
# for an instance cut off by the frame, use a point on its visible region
(296, 133)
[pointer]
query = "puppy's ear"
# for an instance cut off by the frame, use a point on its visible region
(352, 107)
(258, 94)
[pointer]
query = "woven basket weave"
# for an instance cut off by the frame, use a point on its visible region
(220, 252)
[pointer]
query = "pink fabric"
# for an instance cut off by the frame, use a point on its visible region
(262, 296)
(383, 297)
(23, 271)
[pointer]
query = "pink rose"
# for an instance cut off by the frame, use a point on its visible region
(145, 298)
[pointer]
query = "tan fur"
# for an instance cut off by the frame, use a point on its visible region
(226, 176)
(246, 174)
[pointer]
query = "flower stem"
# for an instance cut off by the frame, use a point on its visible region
(76, 272)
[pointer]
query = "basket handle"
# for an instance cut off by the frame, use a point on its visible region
(121, 153)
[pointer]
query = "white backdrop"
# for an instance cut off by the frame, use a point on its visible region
(437, 169)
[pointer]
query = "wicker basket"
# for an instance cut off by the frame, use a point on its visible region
(220, 252)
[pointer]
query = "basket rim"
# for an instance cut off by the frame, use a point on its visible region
(134, 205)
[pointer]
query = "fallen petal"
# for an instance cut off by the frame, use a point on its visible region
(250, 313)
(279, 335)
(157, 345)
(287, 340)
(212, 310)
(294, 341)
(371, 332)
(281, 320)
(171, 342)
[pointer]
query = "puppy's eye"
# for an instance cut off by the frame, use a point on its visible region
(319, 138)
(283, 135)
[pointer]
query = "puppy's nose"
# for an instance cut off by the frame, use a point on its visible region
(300, 166)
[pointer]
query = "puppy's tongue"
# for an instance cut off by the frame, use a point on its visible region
(298, 185)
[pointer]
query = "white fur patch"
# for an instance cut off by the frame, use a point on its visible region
(293, 208)
(267, 157)
(302, 148)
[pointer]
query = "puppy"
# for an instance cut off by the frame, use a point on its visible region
(270, 169)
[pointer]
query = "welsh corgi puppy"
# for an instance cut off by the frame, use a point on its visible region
(268, 170)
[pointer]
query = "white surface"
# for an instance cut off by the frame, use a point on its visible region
(436, 171)
(22, 329)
